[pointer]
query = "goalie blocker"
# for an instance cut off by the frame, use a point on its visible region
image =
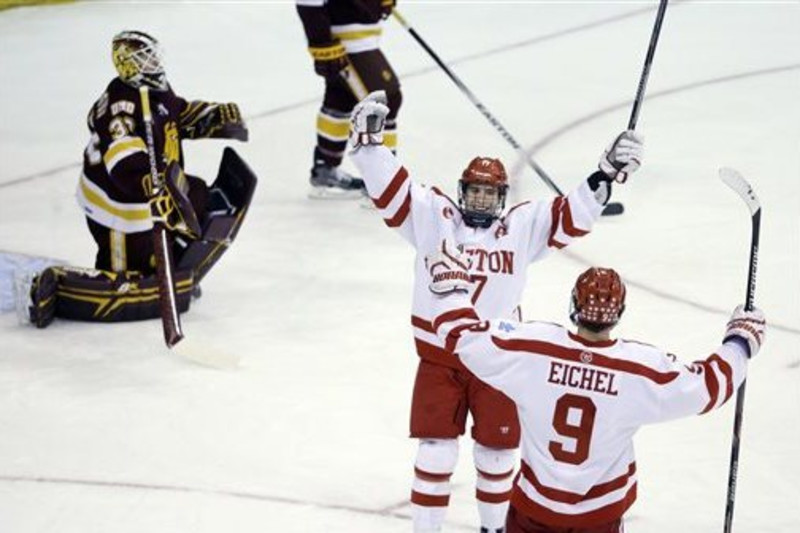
(103, 296)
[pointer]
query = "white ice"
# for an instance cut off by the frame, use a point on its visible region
(103, 430)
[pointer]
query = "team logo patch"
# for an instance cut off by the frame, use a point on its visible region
(586, 357)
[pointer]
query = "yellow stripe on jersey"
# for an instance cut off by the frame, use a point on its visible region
(122, 148)
(96, 204)
(335, 129)
(358, 34)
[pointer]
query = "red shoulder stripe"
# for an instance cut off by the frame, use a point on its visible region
(556, 351)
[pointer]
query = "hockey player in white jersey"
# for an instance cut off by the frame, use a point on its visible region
(581, 396)
(500, 244)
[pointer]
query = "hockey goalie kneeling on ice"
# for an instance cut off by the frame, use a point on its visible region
(119, 197)
(101, 295)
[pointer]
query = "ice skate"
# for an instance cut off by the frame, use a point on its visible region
(333, 183)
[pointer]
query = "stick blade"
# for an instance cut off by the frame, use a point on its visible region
(733, 179)
(613, 209)
(206, 354)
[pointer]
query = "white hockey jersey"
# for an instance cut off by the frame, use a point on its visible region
(499, 255)
(580, 403)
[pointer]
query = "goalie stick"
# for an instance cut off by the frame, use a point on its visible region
(735, 181)
(170, 319)
(198, 351)
(613, 208)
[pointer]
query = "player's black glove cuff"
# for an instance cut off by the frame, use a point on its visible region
(600, 184)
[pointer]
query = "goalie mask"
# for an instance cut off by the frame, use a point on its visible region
(137, 58)
(598, 299)
(482, 191)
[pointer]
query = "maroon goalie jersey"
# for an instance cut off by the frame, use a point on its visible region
(115, 184)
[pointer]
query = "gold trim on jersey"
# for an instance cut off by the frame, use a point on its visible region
(358, 37)
(122, 148)
(333, 128)
(124, 217)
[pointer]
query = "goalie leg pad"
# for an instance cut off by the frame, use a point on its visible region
(229, 198)
(100, 296)
(43, 298)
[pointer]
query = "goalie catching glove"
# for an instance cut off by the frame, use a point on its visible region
(749, 326)
(209, 120)
(449, 270)
(368, 119)
(623, 156)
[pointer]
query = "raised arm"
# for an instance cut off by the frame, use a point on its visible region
(705, 384)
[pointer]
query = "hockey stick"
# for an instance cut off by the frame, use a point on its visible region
(648, 62)
(735, 181)
(613, 208)
(170, 319)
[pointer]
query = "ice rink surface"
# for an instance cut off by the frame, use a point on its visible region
(103, 430)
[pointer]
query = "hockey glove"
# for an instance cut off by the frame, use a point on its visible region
(387, 6)
(750, 326)
(448, 269)
(623, 156)
(201, 120)
(367, 120)
(329, 59)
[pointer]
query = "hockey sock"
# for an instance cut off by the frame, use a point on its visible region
(430, 494)
(495, 473)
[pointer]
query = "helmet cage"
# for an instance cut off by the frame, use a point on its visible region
(138, 60)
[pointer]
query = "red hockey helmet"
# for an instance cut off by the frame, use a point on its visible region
(598, 299)
(480, 209)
